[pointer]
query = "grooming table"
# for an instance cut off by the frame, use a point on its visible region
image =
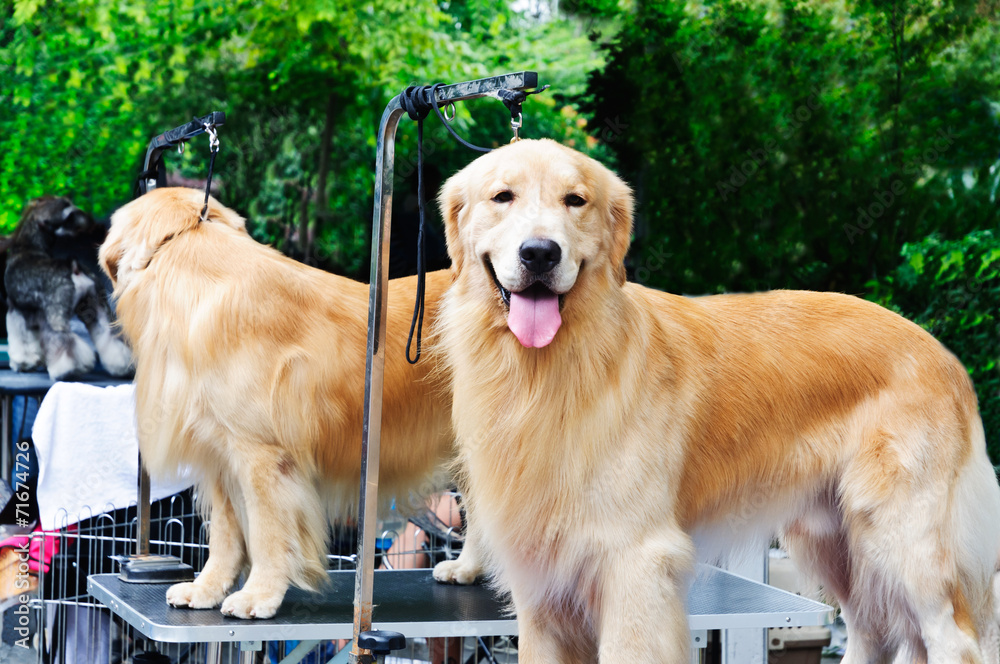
(411, 602)
(33, 384)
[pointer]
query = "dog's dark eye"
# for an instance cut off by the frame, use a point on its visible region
(572, 200)
(503, 197)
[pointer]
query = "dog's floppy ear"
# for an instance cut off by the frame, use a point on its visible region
(620, 204)
(109, 256)
(35, 211)
(452, 201)
(141, 227)
(112, 250)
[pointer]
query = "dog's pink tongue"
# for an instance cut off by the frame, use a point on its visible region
(534, 317)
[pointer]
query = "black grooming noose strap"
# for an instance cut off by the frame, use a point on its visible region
(417, 101)
(214, 147)
(208, 185)
(416, 106)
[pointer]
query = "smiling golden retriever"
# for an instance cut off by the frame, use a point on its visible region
(250, 370)
(606, 428)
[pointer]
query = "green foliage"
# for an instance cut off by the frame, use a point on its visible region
(780, 143)
(70, 118)
(800, 143)
(951, 288)
(303, 85)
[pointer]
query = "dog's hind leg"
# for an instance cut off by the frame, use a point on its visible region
(923, 545)
(115, 354)
(863, 646)
(961, 626)
(285, 529)
(906, 594)
(818, 543)
(65, 352)
(226, 557)
(976, 506)
(989, 636)
(24, 345)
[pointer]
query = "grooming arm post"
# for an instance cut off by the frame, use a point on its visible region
(143, 567)
(142, 513)
(377, 310)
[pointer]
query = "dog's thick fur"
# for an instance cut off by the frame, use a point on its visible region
(45, 292)
(651, 422)
(250, 370)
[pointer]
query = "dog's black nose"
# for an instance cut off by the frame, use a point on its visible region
(540, 256)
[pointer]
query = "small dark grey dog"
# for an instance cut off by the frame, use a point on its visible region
(44, 293)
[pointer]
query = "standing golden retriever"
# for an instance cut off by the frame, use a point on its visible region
(606, 428)
(250, 370)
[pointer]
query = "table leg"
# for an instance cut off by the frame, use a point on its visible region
(213, 653)
(699, 640)
(142, 512)
(249, 650)
(747, 646)
(6, 452)
(342, 656)
(298, 653)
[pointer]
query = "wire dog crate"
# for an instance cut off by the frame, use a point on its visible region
(66, 625)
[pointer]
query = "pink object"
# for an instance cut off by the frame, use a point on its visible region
(534, 316)
(34, 542)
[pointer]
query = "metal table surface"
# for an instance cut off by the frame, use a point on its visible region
(411, 602)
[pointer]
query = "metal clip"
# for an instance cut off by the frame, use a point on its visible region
(454, 112)
(515, 125)
(213, 137)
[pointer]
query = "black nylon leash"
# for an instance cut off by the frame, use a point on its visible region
(214, 147)
(417, 101)
(414, 101)
(447, 125)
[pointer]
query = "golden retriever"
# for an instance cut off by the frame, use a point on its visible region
(250, 370)
(607, 428)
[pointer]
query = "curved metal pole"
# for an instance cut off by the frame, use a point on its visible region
(371, 436)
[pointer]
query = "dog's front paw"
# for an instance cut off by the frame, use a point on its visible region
(25, 367)
(76, 359)
(114, 353)
(456, 571)
(194, 596)
(249, 604)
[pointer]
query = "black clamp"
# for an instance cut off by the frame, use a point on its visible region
(513, 100)
(380, 642)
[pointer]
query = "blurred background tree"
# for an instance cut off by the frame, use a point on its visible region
(772, 144)
(85, 85)
(806, 144)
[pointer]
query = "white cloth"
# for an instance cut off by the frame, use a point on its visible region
(88, 453)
